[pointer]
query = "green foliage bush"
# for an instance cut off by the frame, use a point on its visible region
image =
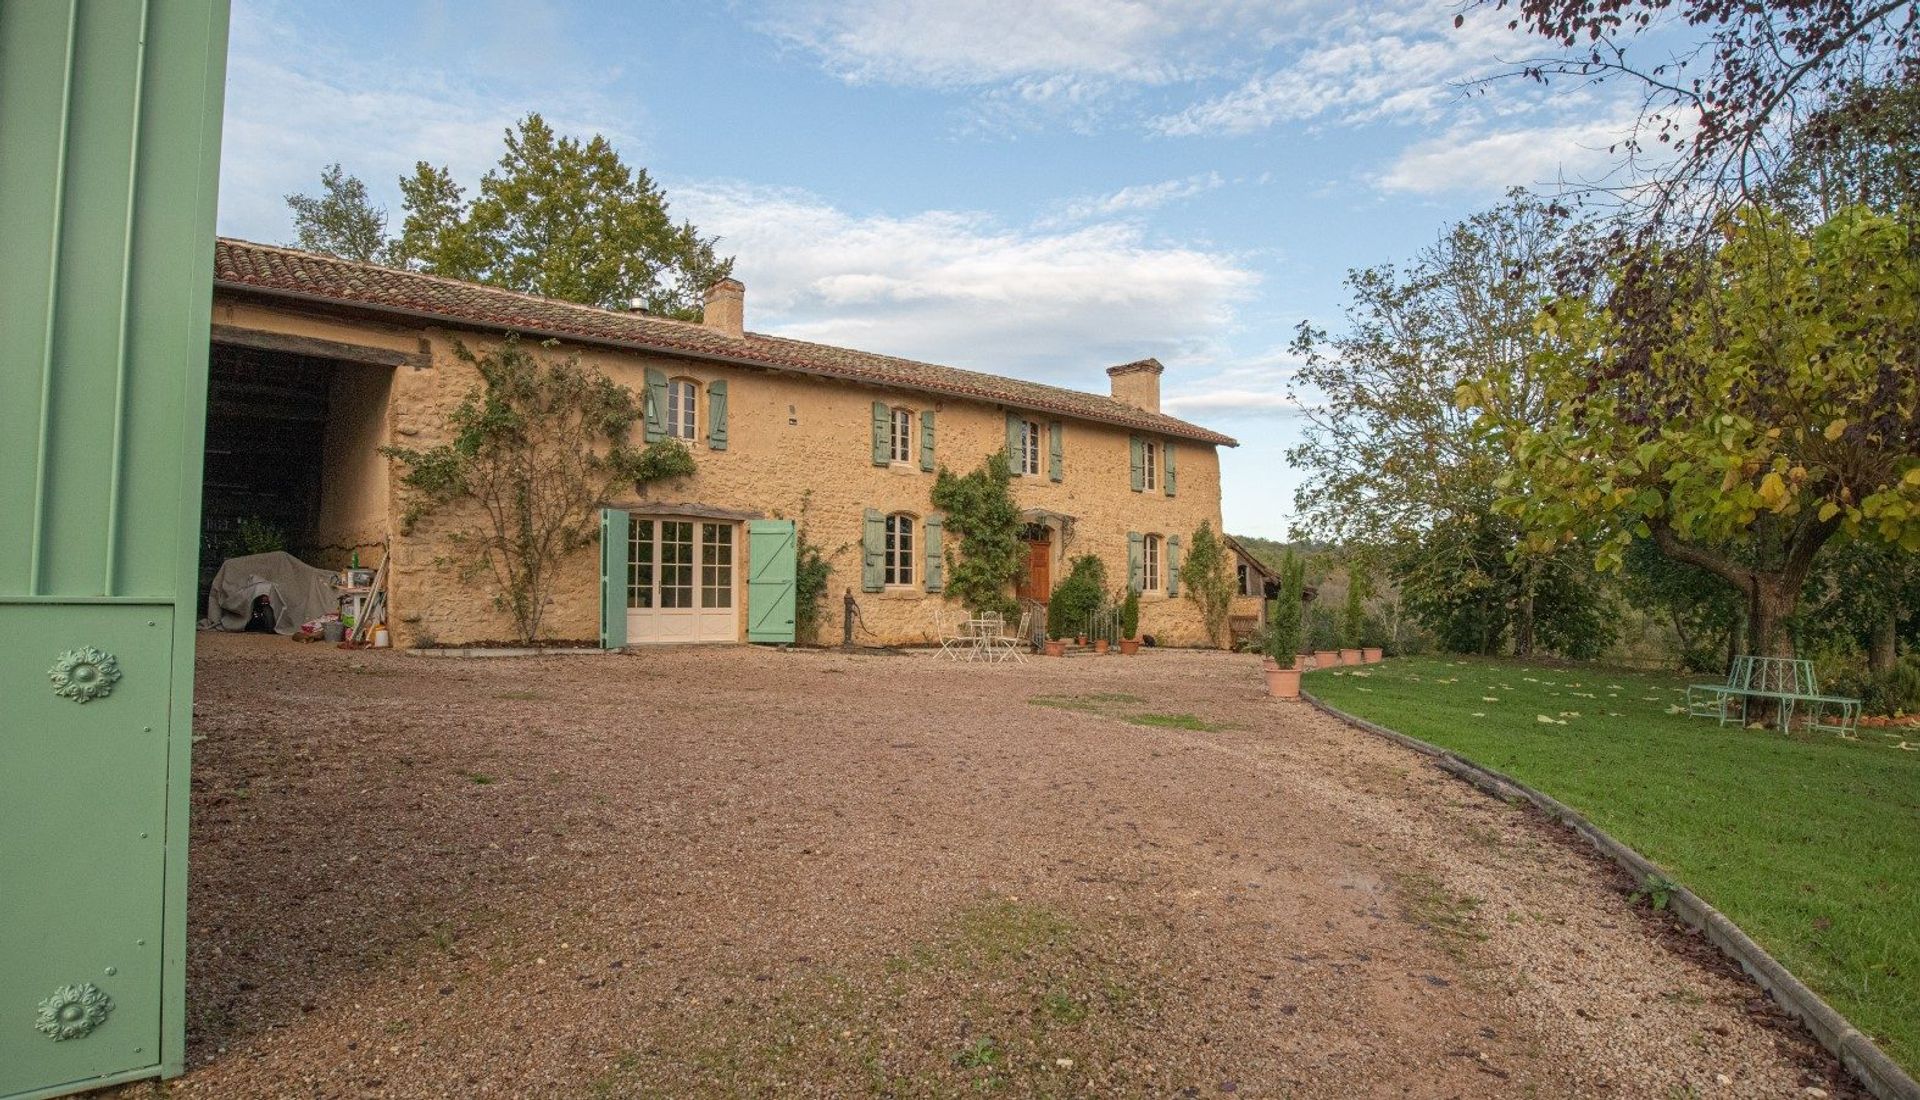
(1321, 632)
(1076, 597)
(1208, 581)
(1130, 615)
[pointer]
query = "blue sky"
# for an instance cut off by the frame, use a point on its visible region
(1040, 189)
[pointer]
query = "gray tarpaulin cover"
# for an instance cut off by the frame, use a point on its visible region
(297, 591)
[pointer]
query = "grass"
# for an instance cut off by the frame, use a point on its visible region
(1116, 704)
(1810, 842)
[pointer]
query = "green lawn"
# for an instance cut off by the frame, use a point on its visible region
(1808, 841)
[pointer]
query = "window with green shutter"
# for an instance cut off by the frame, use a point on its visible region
(926, 440)
(717, 415)
(1135, 560)
(873, 557)
(1173, 565)
(1136, 456)
(1168, 480)
(882, 433)
(935, 569)
(1055, 465)
(656, 405)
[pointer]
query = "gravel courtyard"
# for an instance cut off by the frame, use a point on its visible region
(740, 872)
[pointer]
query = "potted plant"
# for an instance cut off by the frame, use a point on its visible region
(1283, 633)
(1075, 599)
(1321, 637)
(1130, 624)
(1353, 617)
(1372, 649)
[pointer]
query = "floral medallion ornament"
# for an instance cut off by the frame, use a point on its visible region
(73, 1011)
(84, 675)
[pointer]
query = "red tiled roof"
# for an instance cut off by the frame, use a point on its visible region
(289, 273)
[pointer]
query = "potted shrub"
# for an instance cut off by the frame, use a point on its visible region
(1372, 639)
(1075, 599)
(1283, 633)
(1353, 617)
(1322, 639)
(1130, 624)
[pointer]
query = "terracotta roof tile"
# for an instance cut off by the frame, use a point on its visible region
(289, 273)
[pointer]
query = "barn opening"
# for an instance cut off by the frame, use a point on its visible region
(293, 457)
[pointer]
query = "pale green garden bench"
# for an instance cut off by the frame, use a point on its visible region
(1786, 681)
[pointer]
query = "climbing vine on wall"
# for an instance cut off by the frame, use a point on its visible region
(983, 523)
(535, 449)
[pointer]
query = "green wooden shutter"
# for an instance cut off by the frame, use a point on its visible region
(1137, 457)
(1173, 565)
(613, 578)
(1136, 561)
(1016, 457)
(1054, 455)
(935, 566)
(926, 440)
(882, 433)
(772, 551)
(717, 416)
(1167, 482)
(656, 405)
(873, 557)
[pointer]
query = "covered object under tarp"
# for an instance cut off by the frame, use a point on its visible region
(297, 591)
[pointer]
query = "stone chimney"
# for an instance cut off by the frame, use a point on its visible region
(1137, 384)
(725, 308)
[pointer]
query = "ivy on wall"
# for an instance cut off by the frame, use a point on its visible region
(984, 523)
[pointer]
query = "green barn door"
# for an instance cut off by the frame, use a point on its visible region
(110, 126)
(771, 553)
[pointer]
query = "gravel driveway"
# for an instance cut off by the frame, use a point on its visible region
(735, 871)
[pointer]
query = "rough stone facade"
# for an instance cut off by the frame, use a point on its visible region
(800, 446)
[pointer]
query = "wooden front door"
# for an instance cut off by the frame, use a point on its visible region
(1037, 582)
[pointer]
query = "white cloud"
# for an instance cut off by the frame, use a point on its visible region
(1358, 64)
(1139, 197)
(955, 43)
(296, 102)
(1471, 159)
(1257, 387)
(962, 288)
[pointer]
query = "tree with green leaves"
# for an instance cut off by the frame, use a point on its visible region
(1206, 575)
(1391, 460)
(340, 221)
(1760, 405)
(983, 522)
(563, 218)
(535, 450)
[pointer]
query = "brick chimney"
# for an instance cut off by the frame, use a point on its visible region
(725, 308)
(1137, 384)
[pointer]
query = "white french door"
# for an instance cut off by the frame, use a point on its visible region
(681, 581)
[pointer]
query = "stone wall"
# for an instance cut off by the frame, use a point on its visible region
(799, 447)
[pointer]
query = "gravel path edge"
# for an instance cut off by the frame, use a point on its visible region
(1880, 1074)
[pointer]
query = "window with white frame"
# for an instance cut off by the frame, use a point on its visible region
(1150, 564)
(1029, 448)
(682, 395)
(902, 436)
(1249, 580)
(1149, 465)
(899, 564)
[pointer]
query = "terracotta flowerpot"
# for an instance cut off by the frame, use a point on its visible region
(1349, 656)
(1129, 646)
(1326, 658)
(1283, 683)
(1099, 645)
(1371, 654)
(1055, 647)
(1267, 662)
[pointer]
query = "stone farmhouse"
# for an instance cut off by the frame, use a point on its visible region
(318, 362)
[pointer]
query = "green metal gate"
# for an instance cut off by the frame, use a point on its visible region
(109, 145)
(771, 559)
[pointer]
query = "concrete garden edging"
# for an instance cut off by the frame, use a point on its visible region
(1870, 1065)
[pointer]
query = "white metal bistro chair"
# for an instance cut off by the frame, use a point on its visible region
(1002, 646)
(952, 635)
